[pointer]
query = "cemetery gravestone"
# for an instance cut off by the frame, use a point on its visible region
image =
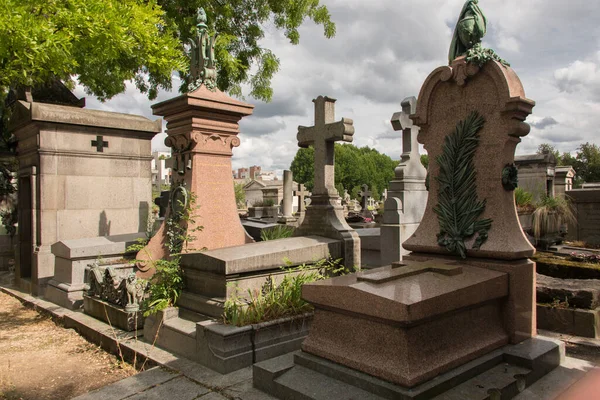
(466, 114)
(364, 196)
(301, 193)
(586, 205)
(325, 214)
(288, 200)
(467, 311)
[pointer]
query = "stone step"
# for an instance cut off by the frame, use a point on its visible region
(504, 381)
(181, 326)
(500, 374)
(302, 383)
(578, 293)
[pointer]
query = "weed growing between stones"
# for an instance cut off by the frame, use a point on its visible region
(281, 300)
(166, 285)
(277, 232)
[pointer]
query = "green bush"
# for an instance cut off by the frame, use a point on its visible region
(165, 286)
(277, 232)
(550, 214)
(523, 198)
(279, 301)
(264, 203)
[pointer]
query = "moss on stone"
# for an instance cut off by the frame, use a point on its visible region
(559, 267)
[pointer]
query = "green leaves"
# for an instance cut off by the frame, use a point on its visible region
(458, 206)
(103, 42)
(240, 26)
(354, 167)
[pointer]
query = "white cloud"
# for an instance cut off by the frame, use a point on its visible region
(384, 50)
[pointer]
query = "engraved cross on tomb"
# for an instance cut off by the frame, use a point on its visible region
(99, 144)
(322, 136)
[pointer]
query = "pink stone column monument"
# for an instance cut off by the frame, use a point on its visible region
(202, 129)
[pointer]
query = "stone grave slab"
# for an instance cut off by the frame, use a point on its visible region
(214, 275)
(429, 316)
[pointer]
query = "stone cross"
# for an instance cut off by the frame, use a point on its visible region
(163, 202)
(100, 144)
(322, 137)
(364, 195)
(300, 193)
(410, 163)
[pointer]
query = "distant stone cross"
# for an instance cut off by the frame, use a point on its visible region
(410, 163)
(300, 193)
(100, 144)
(364, 195)
(322, 137)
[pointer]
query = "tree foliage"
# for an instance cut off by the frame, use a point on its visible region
(546, 148)
(240, 25)
(104, 42)
(585, 162)
(354, 167)
(240, 194)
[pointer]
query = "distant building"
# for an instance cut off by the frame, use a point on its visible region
(267, 176)
(243, 173)
(161, 175)
(255, 171)
(259, 190)
(563, 180)
(536, 174)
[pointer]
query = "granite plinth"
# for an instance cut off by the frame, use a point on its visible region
(408, 323)
(504, 373)
(113, 315)
(202, 129)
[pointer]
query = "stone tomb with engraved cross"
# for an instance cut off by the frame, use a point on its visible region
(82, 174)
(459, 309)
(325, 214)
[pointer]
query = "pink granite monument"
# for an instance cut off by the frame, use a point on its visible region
(202, 129)
(461, 307)
(471, 120)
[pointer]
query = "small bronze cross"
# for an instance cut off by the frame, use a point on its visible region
(100, 144)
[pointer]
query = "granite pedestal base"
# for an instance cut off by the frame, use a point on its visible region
(500, 374)
(113, 315)
(408, 323)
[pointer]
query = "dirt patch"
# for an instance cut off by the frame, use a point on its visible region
(41, 360)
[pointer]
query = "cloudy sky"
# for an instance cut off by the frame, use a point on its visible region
(384, 50)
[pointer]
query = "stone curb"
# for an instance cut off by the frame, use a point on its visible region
(588, 343)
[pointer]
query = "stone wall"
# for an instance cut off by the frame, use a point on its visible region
(586, 205)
